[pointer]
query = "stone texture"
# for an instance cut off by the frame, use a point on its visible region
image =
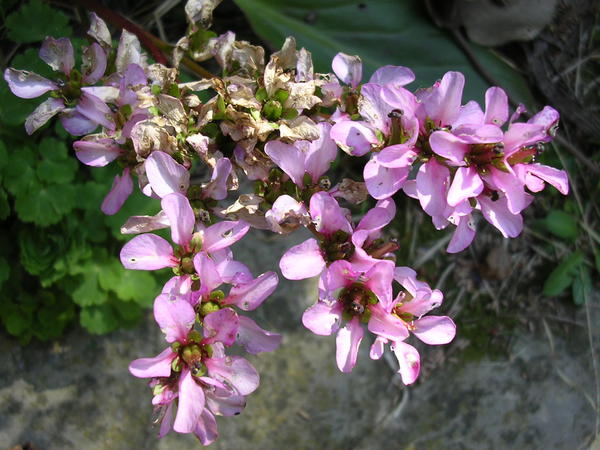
(78, 393)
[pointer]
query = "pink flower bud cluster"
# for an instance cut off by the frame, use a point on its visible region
(281, 126)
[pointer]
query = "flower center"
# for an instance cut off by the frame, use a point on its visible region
(337, 246)
(356, 300)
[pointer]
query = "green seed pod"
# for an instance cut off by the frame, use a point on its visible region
(282, 95)
(272, 110)
(208, 308)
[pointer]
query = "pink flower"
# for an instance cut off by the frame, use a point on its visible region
(304, 157)
(151, 252)
(365, 298)
(82, 111)
(195, 371)
(337, 240)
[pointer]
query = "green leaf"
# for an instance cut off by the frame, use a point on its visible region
(99, 319)
(47, 205)
(561, 224)
(385, 32)
(17, 323)
(19, 173)
(36, 20)
(30, 60)
(136, 204)
(3, 157)
(129, 285)
(582, 286)
(562, 276)
(39, 249)
(4, 205)
(130, 312)
(56, 165)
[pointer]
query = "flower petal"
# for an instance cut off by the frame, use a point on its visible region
(466, 184)
(497, 213)
(387, 325)
(27, 84)
(234, 371)
(94, 63)
(147, 252)
(43, 113)
(383, 182)
(302, 261)
(449, 146)
(97, 152)
(322, 318)
(348, 68)
(221, 326)
(355, 138)
(409, 360)
(181, 217)
(289, 158)
(463, 235)
(206, 428)
(378, 348)
(496, 106)
(191, 403)
(174, 317)
(223, 234)
(435, 330)
(396, 76)
(165, 174)
(58, 54)
(159, 366)
(321, 152)
(432, 182)
(250, 295)
(347, 342)
(121, 190)
(216, 188)
(327, 214)
(254, 339)
(96, 110)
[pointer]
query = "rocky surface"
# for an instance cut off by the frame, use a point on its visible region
(77, 393)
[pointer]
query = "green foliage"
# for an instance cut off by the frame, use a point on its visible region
(36, 20)
(59, 253)
(561, 224)
(381, 32)
(563, 275)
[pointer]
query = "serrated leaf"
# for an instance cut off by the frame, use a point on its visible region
(56, 166)
(47, 205)
(561, 224)
(14, 110)
(562, 276)
(385, 32)
(36, 20)
(128, 285)
(98, 319)
(582, 285)
(130, 312)
(19, 173)
(30, 60)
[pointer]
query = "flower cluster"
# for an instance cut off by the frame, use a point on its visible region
(280, 125)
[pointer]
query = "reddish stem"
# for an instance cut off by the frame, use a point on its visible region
(150, 42)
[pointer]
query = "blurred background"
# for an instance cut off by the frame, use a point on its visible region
(523, 371)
